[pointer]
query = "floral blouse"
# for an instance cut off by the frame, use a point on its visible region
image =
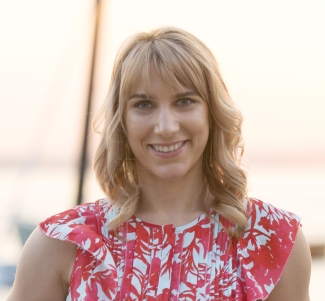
(197, 261)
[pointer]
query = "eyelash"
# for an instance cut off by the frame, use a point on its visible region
(139, 104)
(190, 101)
(147, 102)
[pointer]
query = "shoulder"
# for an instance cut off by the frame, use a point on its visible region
(85, 217)
(269, 222)
(85, 226)
(269, 227)
(266, 245)
(48, 261)
(293, 284)
(44, 269)
(258, 209)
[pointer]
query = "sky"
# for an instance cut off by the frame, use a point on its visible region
(271, 55)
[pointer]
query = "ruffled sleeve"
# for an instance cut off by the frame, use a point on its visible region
(94, 273)
(265, 248)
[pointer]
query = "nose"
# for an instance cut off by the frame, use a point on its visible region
(166, 123)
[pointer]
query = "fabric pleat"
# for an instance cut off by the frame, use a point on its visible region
(197, 261)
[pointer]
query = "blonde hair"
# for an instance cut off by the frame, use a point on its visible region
(179, 58)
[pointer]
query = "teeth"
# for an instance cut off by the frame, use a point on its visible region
(166, 149)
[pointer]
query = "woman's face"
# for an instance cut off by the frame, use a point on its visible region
(167, 130)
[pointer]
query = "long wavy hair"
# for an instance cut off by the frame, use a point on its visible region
(179, 58)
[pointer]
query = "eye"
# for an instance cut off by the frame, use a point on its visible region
(185, 102)
(143, 104)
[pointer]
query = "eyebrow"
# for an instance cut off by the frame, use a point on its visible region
(142, 95)
(150, 96)
(184, 94)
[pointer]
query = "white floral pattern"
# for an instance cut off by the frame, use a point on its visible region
(197, 261)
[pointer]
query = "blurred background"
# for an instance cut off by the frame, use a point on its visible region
(271, 54)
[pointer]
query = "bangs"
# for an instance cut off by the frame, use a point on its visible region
(172, 62)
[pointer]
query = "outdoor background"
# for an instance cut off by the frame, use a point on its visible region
(271, 54)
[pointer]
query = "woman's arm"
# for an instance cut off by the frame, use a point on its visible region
(294, 282)
(44, 269)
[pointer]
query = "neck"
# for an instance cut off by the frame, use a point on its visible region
(171, 202)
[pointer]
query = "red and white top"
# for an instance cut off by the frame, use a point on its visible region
(191, 262)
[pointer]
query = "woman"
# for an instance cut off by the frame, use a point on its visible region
(177, 224)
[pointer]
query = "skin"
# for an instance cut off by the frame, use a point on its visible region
(294, 281)
(44, 269)
(39, 278)
(162, 119)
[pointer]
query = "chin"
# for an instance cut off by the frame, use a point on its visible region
(170, 177)
(171, 174)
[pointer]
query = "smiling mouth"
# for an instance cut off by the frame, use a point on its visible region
(169, 148)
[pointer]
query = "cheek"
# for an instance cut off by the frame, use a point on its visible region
(130, 122)
(136, 131)
(199, 130)
(200, 123)
(202, 129)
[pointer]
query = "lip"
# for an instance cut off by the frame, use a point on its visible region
(168, 154)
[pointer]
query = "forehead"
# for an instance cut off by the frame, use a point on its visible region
(156, 83)
(178, 76)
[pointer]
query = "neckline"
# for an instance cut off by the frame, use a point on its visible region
(181, 228)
